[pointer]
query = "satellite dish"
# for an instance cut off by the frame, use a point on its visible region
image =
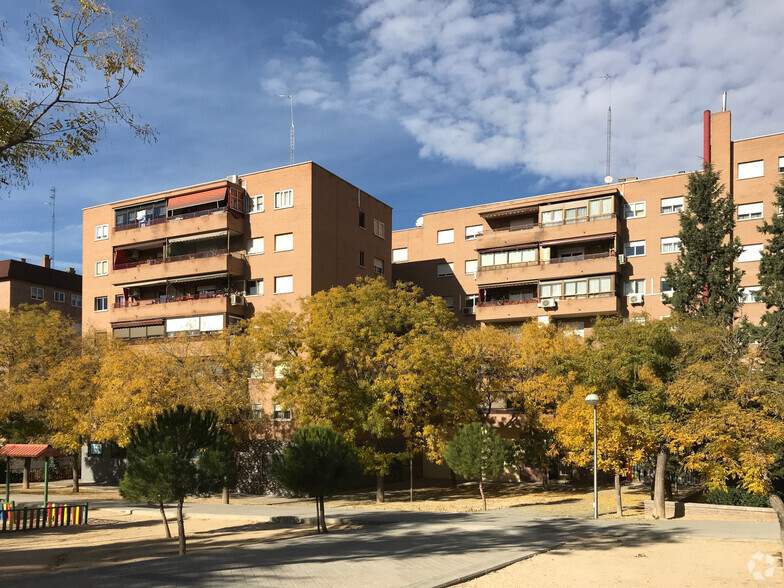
(420, 221)
(608, 180)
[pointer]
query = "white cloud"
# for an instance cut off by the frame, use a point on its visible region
(308, 78)
(518, 83)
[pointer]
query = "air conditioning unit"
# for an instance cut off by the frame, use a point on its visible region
(236, 299)
(134, 292)
(547, 303)
(636, 299)
(621, 259)
(235, 179)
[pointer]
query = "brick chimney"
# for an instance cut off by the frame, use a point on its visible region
(23, 260)
(46, 261)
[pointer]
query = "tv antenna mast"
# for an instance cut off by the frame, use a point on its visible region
(291, 103)
(51, 203)
(607, 177)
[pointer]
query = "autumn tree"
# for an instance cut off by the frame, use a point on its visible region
(704, 278)
(771, 281)
(58, 116)
(477, 453)
(181, 453)
(318, 462)
(336, 359)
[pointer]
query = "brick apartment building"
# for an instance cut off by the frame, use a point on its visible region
(569, 257)
(26, 283)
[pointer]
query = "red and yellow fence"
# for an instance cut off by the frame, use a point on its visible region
(51, 515)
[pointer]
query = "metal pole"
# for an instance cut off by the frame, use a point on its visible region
(8, 479)
(595, 470)
(46, 481)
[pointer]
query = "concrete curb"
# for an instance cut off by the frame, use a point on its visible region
(280, 519)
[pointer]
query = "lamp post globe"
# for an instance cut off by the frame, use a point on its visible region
(593, 400)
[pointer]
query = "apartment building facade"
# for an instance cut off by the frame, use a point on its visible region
(27, 283)
(570, 257)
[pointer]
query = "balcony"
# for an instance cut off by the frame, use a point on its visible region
(537, 232)
(582, 265)
(181, 306)
(507, 310)
(193, 264)
(203, 221)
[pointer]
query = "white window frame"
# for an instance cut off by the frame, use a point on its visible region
(662, 290)
(672, 205)
(378, 266)
(634, 246)
(750, 211)
(36, 293)
(445, 270)
(105, 304)
(281, 414)
(634, 286)
(400, 255)
(101, 232)
(751, 253)
(284, 284)
(284, 242)
(59, 297)
(473, 231)
(471, 266)
(255, 204)
(76, 300)
(379, 229)
(781, 165)
(445, 236)
(102, 268)
(284, 199)
(255, 246)
(749, 294)
(634, 210)
(670, 241)
(751, 169)
(256, 411)
(259, 287)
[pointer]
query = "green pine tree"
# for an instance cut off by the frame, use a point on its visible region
(771, 281)
(704, 277)
(477, 453)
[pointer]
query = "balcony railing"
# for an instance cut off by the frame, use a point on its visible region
(123, 303)
(200, 255)
(568, 221)
(157, 221)
(515, 228)
(505, 302)
(602, 255)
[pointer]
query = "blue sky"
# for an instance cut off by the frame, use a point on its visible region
(425, 104)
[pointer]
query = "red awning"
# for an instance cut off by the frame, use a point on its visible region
(196, 199)
(509, 284)
(139, 323)
(28, 450)
(516, 211)
(578, 240)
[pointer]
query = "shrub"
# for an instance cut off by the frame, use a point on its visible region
(737, 497)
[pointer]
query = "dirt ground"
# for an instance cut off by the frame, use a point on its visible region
(607, 561)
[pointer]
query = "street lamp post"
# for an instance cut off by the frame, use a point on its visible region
(593, 400)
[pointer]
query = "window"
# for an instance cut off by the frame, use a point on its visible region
(36, 293)
(284, 284)
(576, 215)
(284, 242)
(254, 288)
(101, 268)
(599, 286)
(670, 245)
(574, 288)
(361, 259)
(671, 205)
(600, 207)
(256, 411)
(751, 253)
(505, 257)
(573, 327)
(449, 301)
(634, 319)
(399, 255)
(256, 371)
(749, 211)
(552, 216)
(445, 270)
(473, 232)
(101, 303)
(634, 287)
(446, 236)
(665, 287)
(378, 266)
(284, 199)
(781, 165)
(255, 203)
(101, 232)
(361, 220)
(750, 294)
(59, 297)
(279, 371)
(634, 210)
(279, 413)
(470, 303)
(76, 300)
(751, 169)
(379, 229)
(255, 246)
(634, 249)
(470, 266)
(552, 290)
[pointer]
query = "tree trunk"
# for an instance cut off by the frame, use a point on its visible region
(165, 520)
(323, 518)
(546, 479)
(658, 487)
(482, 492)
(452, 479)
(76, 463)
(180, 527)
(379, 489)
(618, 501)
(411, 479)
(26, 473)
(318, 516)
(778, 506)
(225, 495)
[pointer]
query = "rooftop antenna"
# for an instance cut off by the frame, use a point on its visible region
(291, 103)
(608, 178)
(51, 203)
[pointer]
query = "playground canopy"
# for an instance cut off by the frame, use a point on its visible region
(27, 450)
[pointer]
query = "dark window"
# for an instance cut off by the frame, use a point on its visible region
(362, 259)
(362, 220)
